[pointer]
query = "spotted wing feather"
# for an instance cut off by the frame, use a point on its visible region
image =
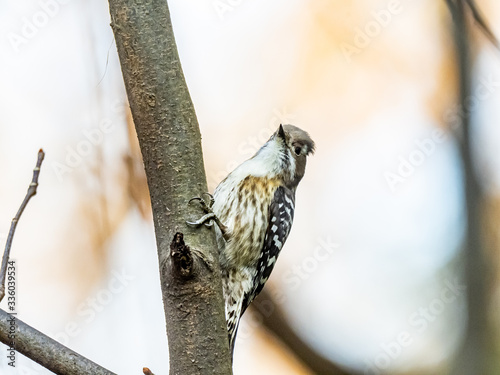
(281, 212)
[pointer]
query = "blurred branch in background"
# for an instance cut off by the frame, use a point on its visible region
(277, 323)
(480, 20)
(475, 355)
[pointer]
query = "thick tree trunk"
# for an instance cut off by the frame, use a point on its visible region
(170, 142)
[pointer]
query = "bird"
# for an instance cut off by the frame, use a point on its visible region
(253, 207)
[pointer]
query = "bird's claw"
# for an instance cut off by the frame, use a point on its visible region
(205, 219)
(199, 199)
(205, 207)
(209, 215)
(211, 199)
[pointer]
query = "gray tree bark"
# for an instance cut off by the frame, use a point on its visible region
(44, 350)
(170, 142)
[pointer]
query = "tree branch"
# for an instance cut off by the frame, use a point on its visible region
(481, 22)
(170, 142)
(475, 354)
(275, 321)
(30, 193)
(44, 350)
(26, 340)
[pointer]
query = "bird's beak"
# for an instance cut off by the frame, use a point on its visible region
(281, 133)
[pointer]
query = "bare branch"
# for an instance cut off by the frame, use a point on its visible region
(31, 192)
(275, 321)
(44, 350)
(27, 340)
(481, 22)
(477, 16)
(475, 353)
(170, 141)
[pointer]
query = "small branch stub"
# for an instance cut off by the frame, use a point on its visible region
(181, 255)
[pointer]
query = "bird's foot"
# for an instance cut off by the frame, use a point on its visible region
(209, 217)
(206, 219)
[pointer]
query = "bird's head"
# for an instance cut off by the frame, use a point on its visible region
(287, 151)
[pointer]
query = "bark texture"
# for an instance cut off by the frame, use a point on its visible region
(170, 142)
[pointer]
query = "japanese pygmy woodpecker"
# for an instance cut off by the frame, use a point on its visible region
(253, 207)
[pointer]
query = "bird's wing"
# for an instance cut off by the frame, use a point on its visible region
(281, 212)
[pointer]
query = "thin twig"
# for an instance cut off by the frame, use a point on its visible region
(31, 192)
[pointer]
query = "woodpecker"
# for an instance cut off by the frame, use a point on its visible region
(253, 208)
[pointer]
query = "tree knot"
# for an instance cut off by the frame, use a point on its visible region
(181, 255)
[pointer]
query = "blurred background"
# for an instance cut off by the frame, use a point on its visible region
(371, 277)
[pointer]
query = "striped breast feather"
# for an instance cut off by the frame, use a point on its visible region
(281, 212)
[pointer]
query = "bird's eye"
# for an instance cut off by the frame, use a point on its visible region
(297, 150)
